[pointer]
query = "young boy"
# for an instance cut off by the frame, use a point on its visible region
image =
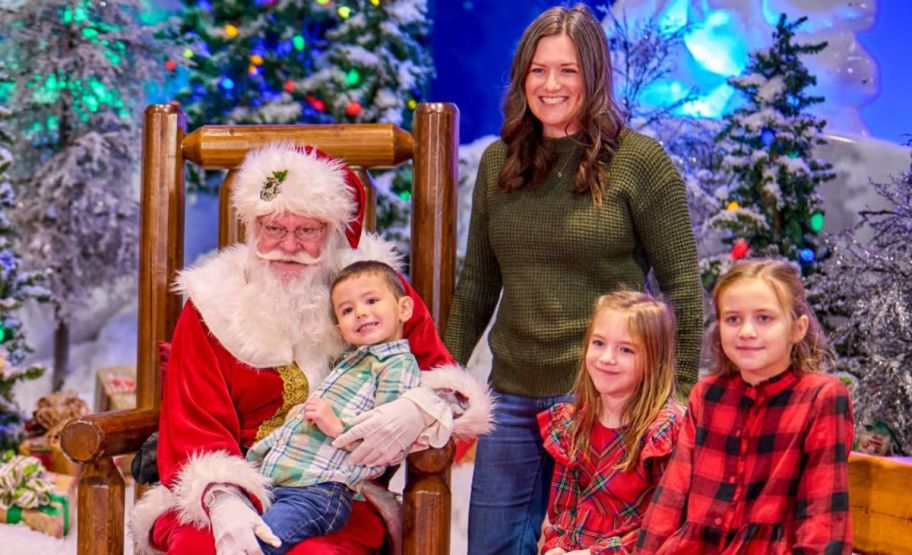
(314, 482)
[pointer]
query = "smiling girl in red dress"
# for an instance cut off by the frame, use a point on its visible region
(612, 444)
(761, 465)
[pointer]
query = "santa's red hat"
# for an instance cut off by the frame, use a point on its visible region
(284, 178)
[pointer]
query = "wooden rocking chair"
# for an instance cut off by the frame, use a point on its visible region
(95, 439)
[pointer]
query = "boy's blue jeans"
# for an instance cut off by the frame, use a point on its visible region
(300, 513)
(512, 479)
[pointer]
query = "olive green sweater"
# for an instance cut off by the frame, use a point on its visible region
(553, 252)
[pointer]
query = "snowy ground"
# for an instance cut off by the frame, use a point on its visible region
(106, 334)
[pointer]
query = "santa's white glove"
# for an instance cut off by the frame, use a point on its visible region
(235, 523)
(389, 431)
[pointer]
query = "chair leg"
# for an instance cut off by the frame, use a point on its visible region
(101, 509)
(427, 502)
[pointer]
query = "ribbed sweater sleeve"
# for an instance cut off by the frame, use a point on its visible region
(479, 281)
(662, 223)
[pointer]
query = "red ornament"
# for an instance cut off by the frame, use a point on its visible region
(740, 249)
(353, 108)
(288, 86)
(316, 103)
(170, 65)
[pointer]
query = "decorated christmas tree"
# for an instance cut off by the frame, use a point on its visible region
(15, 287)
(865, 292)
(770, 207)
(309, 61)
(78, 69)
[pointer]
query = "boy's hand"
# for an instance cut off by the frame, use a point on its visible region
(320, 412)
(295, 413)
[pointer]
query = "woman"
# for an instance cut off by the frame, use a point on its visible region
(569, 205)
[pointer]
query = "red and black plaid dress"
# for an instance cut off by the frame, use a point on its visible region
(593, 505)
(757, 469)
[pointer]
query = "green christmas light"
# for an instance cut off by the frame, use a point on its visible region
(298, 42)
(817, 222)
(89, 33)
(188, 53)
(2, 334)
(405, 196)
(352, 77)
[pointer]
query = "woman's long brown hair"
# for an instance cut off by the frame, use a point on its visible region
(528, 163)
(651, 324)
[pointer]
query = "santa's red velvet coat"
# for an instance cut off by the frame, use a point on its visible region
(232, 376)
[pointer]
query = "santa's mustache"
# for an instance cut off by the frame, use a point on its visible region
(276, 255)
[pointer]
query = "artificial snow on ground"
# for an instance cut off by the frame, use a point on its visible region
(105, 335)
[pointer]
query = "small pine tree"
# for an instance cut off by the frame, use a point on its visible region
(78, 69)
(864, 291)
(771, 206)
(15, 288)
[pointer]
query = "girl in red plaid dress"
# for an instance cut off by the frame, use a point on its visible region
(612, 444)
(761, 465)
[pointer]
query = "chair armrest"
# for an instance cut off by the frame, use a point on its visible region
(88, 438)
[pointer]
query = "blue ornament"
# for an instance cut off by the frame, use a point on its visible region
(793, 100)
(807, 255)
(205, 5)
(767, 136)
(227, 83)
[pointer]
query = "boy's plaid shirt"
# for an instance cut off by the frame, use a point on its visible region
(757, 469)
(594, 505)
(298, 454)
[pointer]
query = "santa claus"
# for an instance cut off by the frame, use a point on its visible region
(255, 337)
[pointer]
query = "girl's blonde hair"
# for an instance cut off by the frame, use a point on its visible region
(813, 353)
(651, 325)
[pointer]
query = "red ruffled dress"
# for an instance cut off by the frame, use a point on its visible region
(592, 504)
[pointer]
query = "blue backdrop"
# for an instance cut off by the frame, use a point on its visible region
(473, 43)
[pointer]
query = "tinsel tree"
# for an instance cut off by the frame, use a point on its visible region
(642, 55)
(16, 287)
(771, 206)
(78, 69)
(309, 61)
(864, 292)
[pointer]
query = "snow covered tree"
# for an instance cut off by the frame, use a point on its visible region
(771, 206)
(864, 290)
(15, 287)
(78, 69)
(307, 61)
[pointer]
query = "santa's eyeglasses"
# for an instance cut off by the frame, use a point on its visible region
(305, 234)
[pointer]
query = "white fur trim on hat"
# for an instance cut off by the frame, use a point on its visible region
(476, 416)
(312, 186)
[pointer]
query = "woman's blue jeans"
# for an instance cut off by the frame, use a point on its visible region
(512, 479)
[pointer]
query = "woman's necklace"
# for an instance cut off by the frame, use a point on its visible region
(560, 170)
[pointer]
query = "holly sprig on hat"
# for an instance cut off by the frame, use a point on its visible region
(273, 185)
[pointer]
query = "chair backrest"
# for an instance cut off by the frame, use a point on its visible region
(432, 147)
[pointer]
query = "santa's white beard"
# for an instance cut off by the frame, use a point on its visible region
(302, 303)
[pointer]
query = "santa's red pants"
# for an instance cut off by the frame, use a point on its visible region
(362, 534)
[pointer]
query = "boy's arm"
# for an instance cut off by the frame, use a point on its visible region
(320, 412)
(822, 522)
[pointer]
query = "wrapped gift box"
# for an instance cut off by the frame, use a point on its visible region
(50, 454)
(54, 518)
(115, 388)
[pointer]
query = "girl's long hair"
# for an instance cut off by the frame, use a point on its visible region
(813, 353)
(528, 162)
(651, 324)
